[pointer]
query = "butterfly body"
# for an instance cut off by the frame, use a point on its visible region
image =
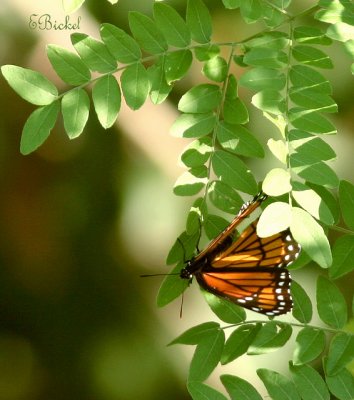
(249, 271)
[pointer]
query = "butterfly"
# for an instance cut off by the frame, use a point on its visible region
(249, 271)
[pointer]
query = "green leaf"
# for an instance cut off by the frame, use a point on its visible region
(146, 33)
(207, 355)
(216, 69)
(311, 35)
(177, 65)
(331, 304)
(234, 172)
(341, 32)
(106, 100)
(310, 201)
(304, 76)
(279, 149)
(172, 25)
(275, 218)
(340, 353)
(251, 10)
(30, 85)
(271, 336)
(271, 40)
(224, 309)
(239, 140)
(38, 126)
(311, 121)
(319, 173)
(346, 201)
(270, 101)
(121, 45)
(75, 109)
(313, 100)
(196, 334)
(201, 391)
(160, 89)
(343, 255)
(341, 385)
(199, 21)
(188, 184)
(312, 239)
(200, 99)
(336, 11)
(260, 78)
(197, 152)
(314, 150)
(310, 343)
(231, 4)
(183, 248)
(93, 53)
(206, 52)
(70, 6)
(264, 57)
(235, 111)
(214, 225)
(193, 125)
(278, 386)
(239, 388)
(195, 215)
(311, 56)
(171, 287)
(277, 182)
(224, 197)
(135, 85)
(328, 198)
(69, 67)
(309, 383)
(302, 310)
(239, 342)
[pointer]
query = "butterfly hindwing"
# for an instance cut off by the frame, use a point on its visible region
(250, 271)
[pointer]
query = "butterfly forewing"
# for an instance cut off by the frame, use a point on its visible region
(251, 271)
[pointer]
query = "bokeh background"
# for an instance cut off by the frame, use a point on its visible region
(81, 220)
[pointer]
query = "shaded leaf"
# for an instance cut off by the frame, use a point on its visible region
(341, 385)
(271, 337)
(239, 388)
(93, 53)
(340, 353)
(172, 25)
(312, 239)
(200, 99)
(302, 310)
(135, 85)
(196, 334)
(224, 309)
(331, 304)
(312, 56)
(278, 386)
(261, 78)
(107, 100)
(146, 33)
(171, 287)
(75, 109)
(199, 21)
(343, 256)
(69, 66)
(201, 391)
(38, 126)
(121, 45)
(225, 197)
(30, 85)
(233, 171)
(207, 355)
(177, 65)
(309, 383)
(193, 125)
(309, 345)
(346, 201)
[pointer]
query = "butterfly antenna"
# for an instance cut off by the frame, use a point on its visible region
(149, 275)
(181, 309)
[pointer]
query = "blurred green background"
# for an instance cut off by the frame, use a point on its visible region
(80, 220)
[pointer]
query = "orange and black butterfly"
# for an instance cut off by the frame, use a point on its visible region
(249, 271)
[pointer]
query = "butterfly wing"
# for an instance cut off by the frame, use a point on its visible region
(252, 272)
